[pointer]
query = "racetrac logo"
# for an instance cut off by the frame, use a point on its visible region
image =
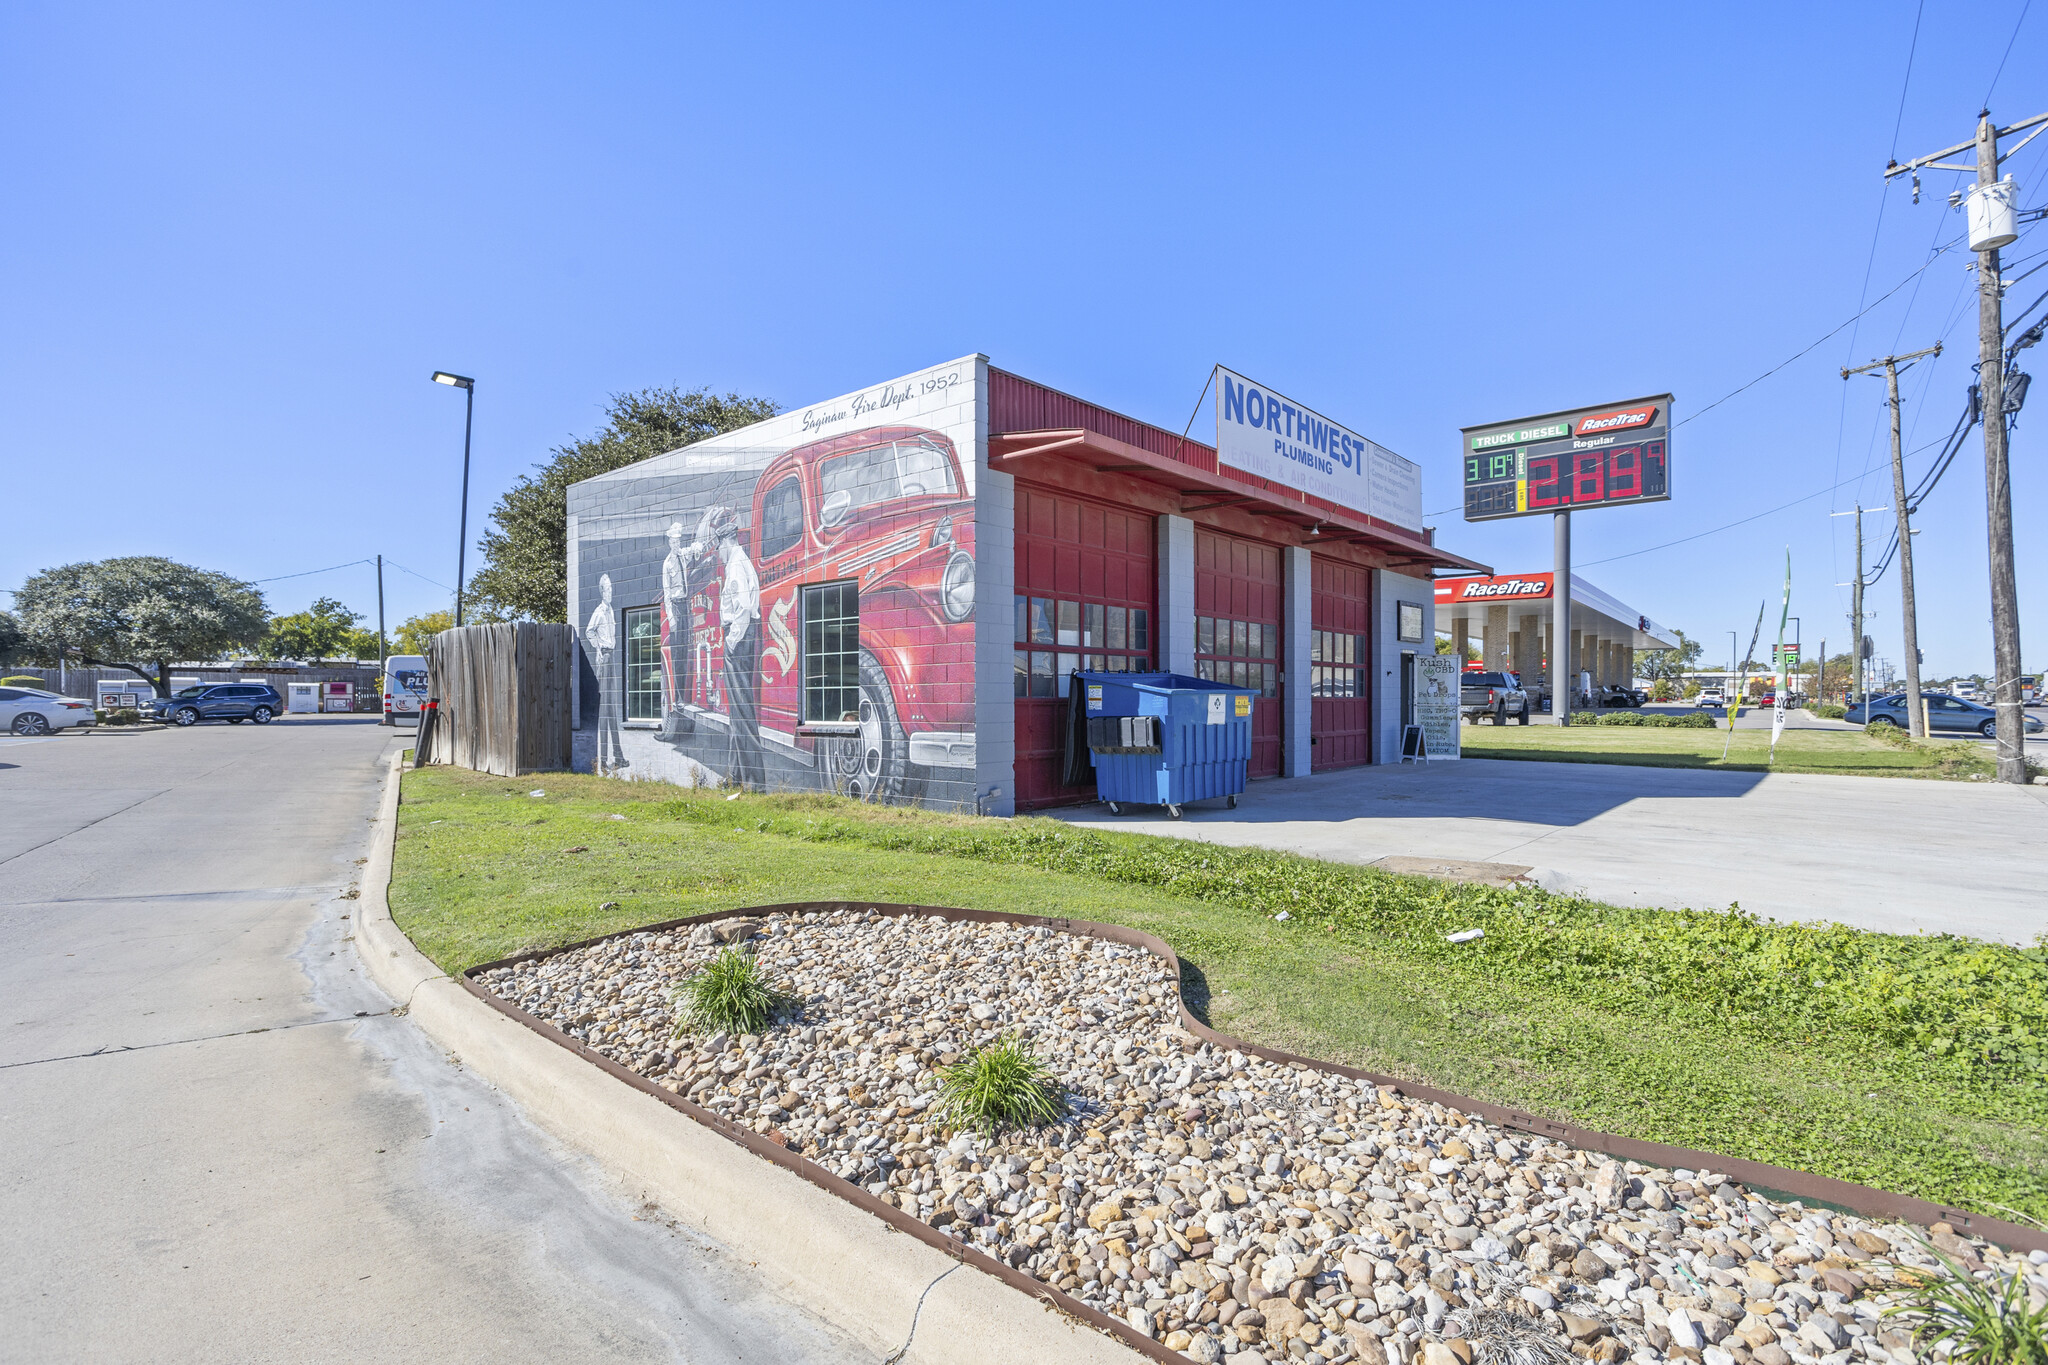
(1479, 588)
(1617, 421)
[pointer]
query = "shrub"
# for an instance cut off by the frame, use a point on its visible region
(1827, 710)
(730, 993)
(1975, 1322)
(1691, 720)
(999, 1086)
(122, 715)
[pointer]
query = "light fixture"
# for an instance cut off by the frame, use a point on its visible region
(468, 387)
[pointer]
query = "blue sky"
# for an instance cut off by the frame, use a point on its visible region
(237, 239)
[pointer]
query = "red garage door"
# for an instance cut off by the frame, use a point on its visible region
(1085, 587)
(1237, 631)
(1340, 707)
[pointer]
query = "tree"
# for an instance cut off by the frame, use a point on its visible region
(1672, 664)
(417, 632)
(325, 630)
(13, 644)
(141, 613)
(526, 547)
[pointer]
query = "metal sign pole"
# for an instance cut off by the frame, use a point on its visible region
(1561, 617)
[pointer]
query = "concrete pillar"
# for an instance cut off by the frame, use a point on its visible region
(995, 699)
(1461, 631)
(1575, 660)
(1295, 753)
(1389, 590)
(1175, 623)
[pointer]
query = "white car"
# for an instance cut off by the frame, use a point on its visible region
(31, 711)
(1710, 696)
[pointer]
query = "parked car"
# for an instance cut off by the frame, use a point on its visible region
(32, 711)
(1710, 696)
(1499, 695)
(1944, 713)
(1614, 694)
(405, 687)
(231, 702)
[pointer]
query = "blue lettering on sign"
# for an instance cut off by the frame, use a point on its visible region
(1304, 438)
(1233, 401)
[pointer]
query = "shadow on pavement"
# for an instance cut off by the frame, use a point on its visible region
(1523, 790)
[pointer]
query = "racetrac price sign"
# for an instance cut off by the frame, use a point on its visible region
(1567, 461)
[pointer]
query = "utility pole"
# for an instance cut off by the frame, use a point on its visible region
(1916, 719)
(1859, 684)
(1986, 201)
(381, 655)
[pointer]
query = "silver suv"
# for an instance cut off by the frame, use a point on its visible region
(1498, 695)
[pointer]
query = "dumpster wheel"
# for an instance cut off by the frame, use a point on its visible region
(1115, 808)
(1233, 800)
(1174, 811)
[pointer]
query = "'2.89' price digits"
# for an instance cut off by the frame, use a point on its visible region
(1616, 474)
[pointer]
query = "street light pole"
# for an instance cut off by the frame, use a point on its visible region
(468, 387)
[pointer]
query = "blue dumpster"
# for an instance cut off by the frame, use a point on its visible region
(1165, 739)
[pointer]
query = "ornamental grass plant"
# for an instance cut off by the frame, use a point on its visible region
(729, 994)
(1001, 1085)
(1954, 1315)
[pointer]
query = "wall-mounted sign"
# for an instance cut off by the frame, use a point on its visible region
(1275, 438)
(1566, 461)
(1408, 626)
(1527, 587)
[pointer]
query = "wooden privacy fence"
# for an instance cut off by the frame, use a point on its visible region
(504, 697)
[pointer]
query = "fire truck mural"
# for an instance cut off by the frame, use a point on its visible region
(790, 606)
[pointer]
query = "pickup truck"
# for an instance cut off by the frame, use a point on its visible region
(1499, 695)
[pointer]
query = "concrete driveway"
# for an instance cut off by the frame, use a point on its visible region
(1898, 854)
(218, 1142)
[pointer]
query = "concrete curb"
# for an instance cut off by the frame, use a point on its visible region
(852, 1270)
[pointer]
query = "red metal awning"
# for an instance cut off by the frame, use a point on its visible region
(1012, 451)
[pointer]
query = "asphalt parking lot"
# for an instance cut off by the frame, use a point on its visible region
(219, 1142)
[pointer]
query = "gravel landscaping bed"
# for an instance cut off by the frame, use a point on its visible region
(1231, 1207)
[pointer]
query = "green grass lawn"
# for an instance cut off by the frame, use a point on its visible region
(1849, 752)
(1911, 1063)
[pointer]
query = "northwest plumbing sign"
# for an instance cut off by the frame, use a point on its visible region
(1275, 438)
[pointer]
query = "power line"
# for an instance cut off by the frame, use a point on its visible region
(1907, 83)
(1819, 492)
(308, 573)
(417, 574)
(1831, 333)
(2001, 61)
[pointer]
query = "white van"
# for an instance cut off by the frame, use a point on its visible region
(405, 687)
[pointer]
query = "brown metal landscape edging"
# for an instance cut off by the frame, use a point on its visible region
(1863, 1199)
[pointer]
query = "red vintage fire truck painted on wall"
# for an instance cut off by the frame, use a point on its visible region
(886, 511)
